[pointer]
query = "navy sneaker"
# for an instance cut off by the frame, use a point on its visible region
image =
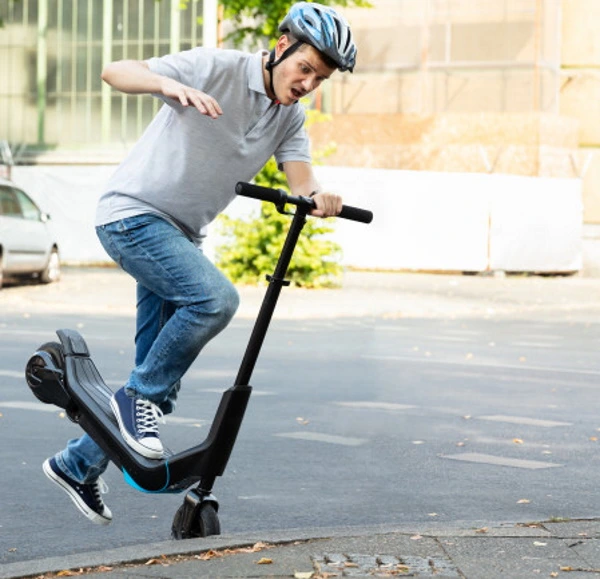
(138, 423)
(87, 497)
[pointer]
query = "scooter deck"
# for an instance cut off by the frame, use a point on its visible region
(174, 472)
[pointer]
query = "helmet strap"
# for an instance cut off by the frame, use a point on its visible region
(272, 62)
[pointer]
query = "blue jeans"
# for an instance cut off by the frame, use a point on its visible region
(183, 301)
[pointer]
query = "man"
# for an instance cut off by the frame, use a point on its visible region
(225, 114)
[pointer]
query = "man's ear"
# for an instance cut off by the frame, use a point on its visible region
(282, 43)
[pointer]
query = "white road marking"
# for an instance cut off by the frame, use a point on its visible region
(534, 344)
(500, 460)
(37, 406)
(180, 420)
(320, 437)
(473, 363)
(12, 374)
(376, 405)
(221, 390)
(524, 420)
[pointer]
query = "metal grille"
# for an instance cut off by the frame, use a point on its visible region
(51, 56)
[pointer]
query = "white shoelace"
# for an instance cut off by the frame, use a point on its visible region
(99, 488)
(147, 416)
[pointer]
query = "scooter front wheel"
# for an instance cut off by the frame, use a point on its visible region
(201, 521)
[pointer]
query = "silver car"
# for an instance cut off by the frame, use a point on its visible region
(27, 243)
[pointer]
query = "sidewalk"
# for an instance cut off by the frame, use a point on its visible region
(569, 549)
(544, 549)
(392, 295)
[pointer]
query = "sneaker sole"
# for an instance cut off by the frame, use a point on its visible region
(80, 504)
(132, 442)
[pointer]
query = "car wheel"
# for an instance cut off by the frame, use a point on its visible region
(52, 271)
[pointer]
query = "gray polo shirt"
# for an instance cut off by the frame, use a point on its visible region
(185, 165)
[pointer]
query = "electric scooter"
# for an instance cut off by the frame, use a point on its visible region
(63, 373)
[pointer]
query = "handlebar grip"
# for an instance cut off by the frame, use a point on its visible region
(280, 197)
(276, 196)
(356, 214)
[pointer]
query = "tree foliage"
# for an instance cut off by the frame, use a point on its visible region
(257, 19)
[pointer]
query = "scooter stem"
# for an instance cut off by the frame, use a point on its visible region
(276, 282)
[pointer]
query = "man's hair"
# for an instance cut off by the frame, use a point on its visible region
(328, 61)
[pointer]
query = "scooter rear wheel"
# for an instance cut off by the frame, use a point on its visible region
(203, 522)
(43, 381)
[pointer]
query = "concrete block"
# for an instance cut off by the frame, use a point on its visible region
(580, 99)
(580, 38)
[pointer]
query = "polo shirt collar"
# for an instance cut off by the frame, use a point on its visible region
(256, 81)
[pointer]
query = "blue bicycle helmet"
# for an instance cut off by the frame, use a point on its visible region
(323, 28)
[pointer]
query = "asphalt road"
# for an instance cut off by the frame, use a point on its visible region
(399, 399)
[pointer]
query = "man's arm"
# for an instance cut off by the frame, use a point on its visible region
(135, 77)
(302, 181)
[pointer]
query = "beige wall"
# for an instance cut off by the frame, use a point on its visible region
(552, 68)
(580, 91)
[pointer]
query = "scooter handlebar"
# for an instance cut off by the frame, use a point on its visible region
(280, 197)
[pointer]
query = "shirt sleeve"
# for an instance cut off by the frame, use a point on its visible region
(295, 146)
(190, 67)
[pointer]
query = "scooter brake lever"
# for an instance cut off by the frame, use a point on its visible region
(281, 209)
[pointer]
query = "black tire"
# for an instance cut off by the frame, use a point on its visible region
(204, 523)
(51, 272)
(41, 391)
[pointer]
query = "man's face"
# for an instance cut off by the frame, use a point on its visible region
(299, 74)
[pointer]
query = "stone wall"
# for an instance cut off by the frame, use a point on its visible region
(518, 144)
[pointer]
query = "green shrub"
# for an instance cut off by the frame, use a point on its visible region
(252, 246)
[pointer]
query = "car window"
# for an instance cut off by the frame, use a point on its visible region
(9, 205)
(28, 208)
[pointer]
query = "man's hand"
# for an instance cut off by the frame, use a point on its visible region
(189, 96)
(328, 205)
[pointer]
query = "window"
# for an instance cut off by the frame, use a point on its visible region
(9, 206)
(28, 207)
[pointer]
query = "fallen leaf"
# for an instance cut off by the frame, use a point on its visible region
(416, 537)
(483, 530)
(523, 502)
(212, 554)
(350, 564)
(433, 514)
(522, 359)
(518, 440)
(264, 561)
(554, 574)
(593, 438)
(155, 561)
(568, 568)
(460, 444)
(539, 544)
(303, 575)
(301, 420)
(469, 356)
